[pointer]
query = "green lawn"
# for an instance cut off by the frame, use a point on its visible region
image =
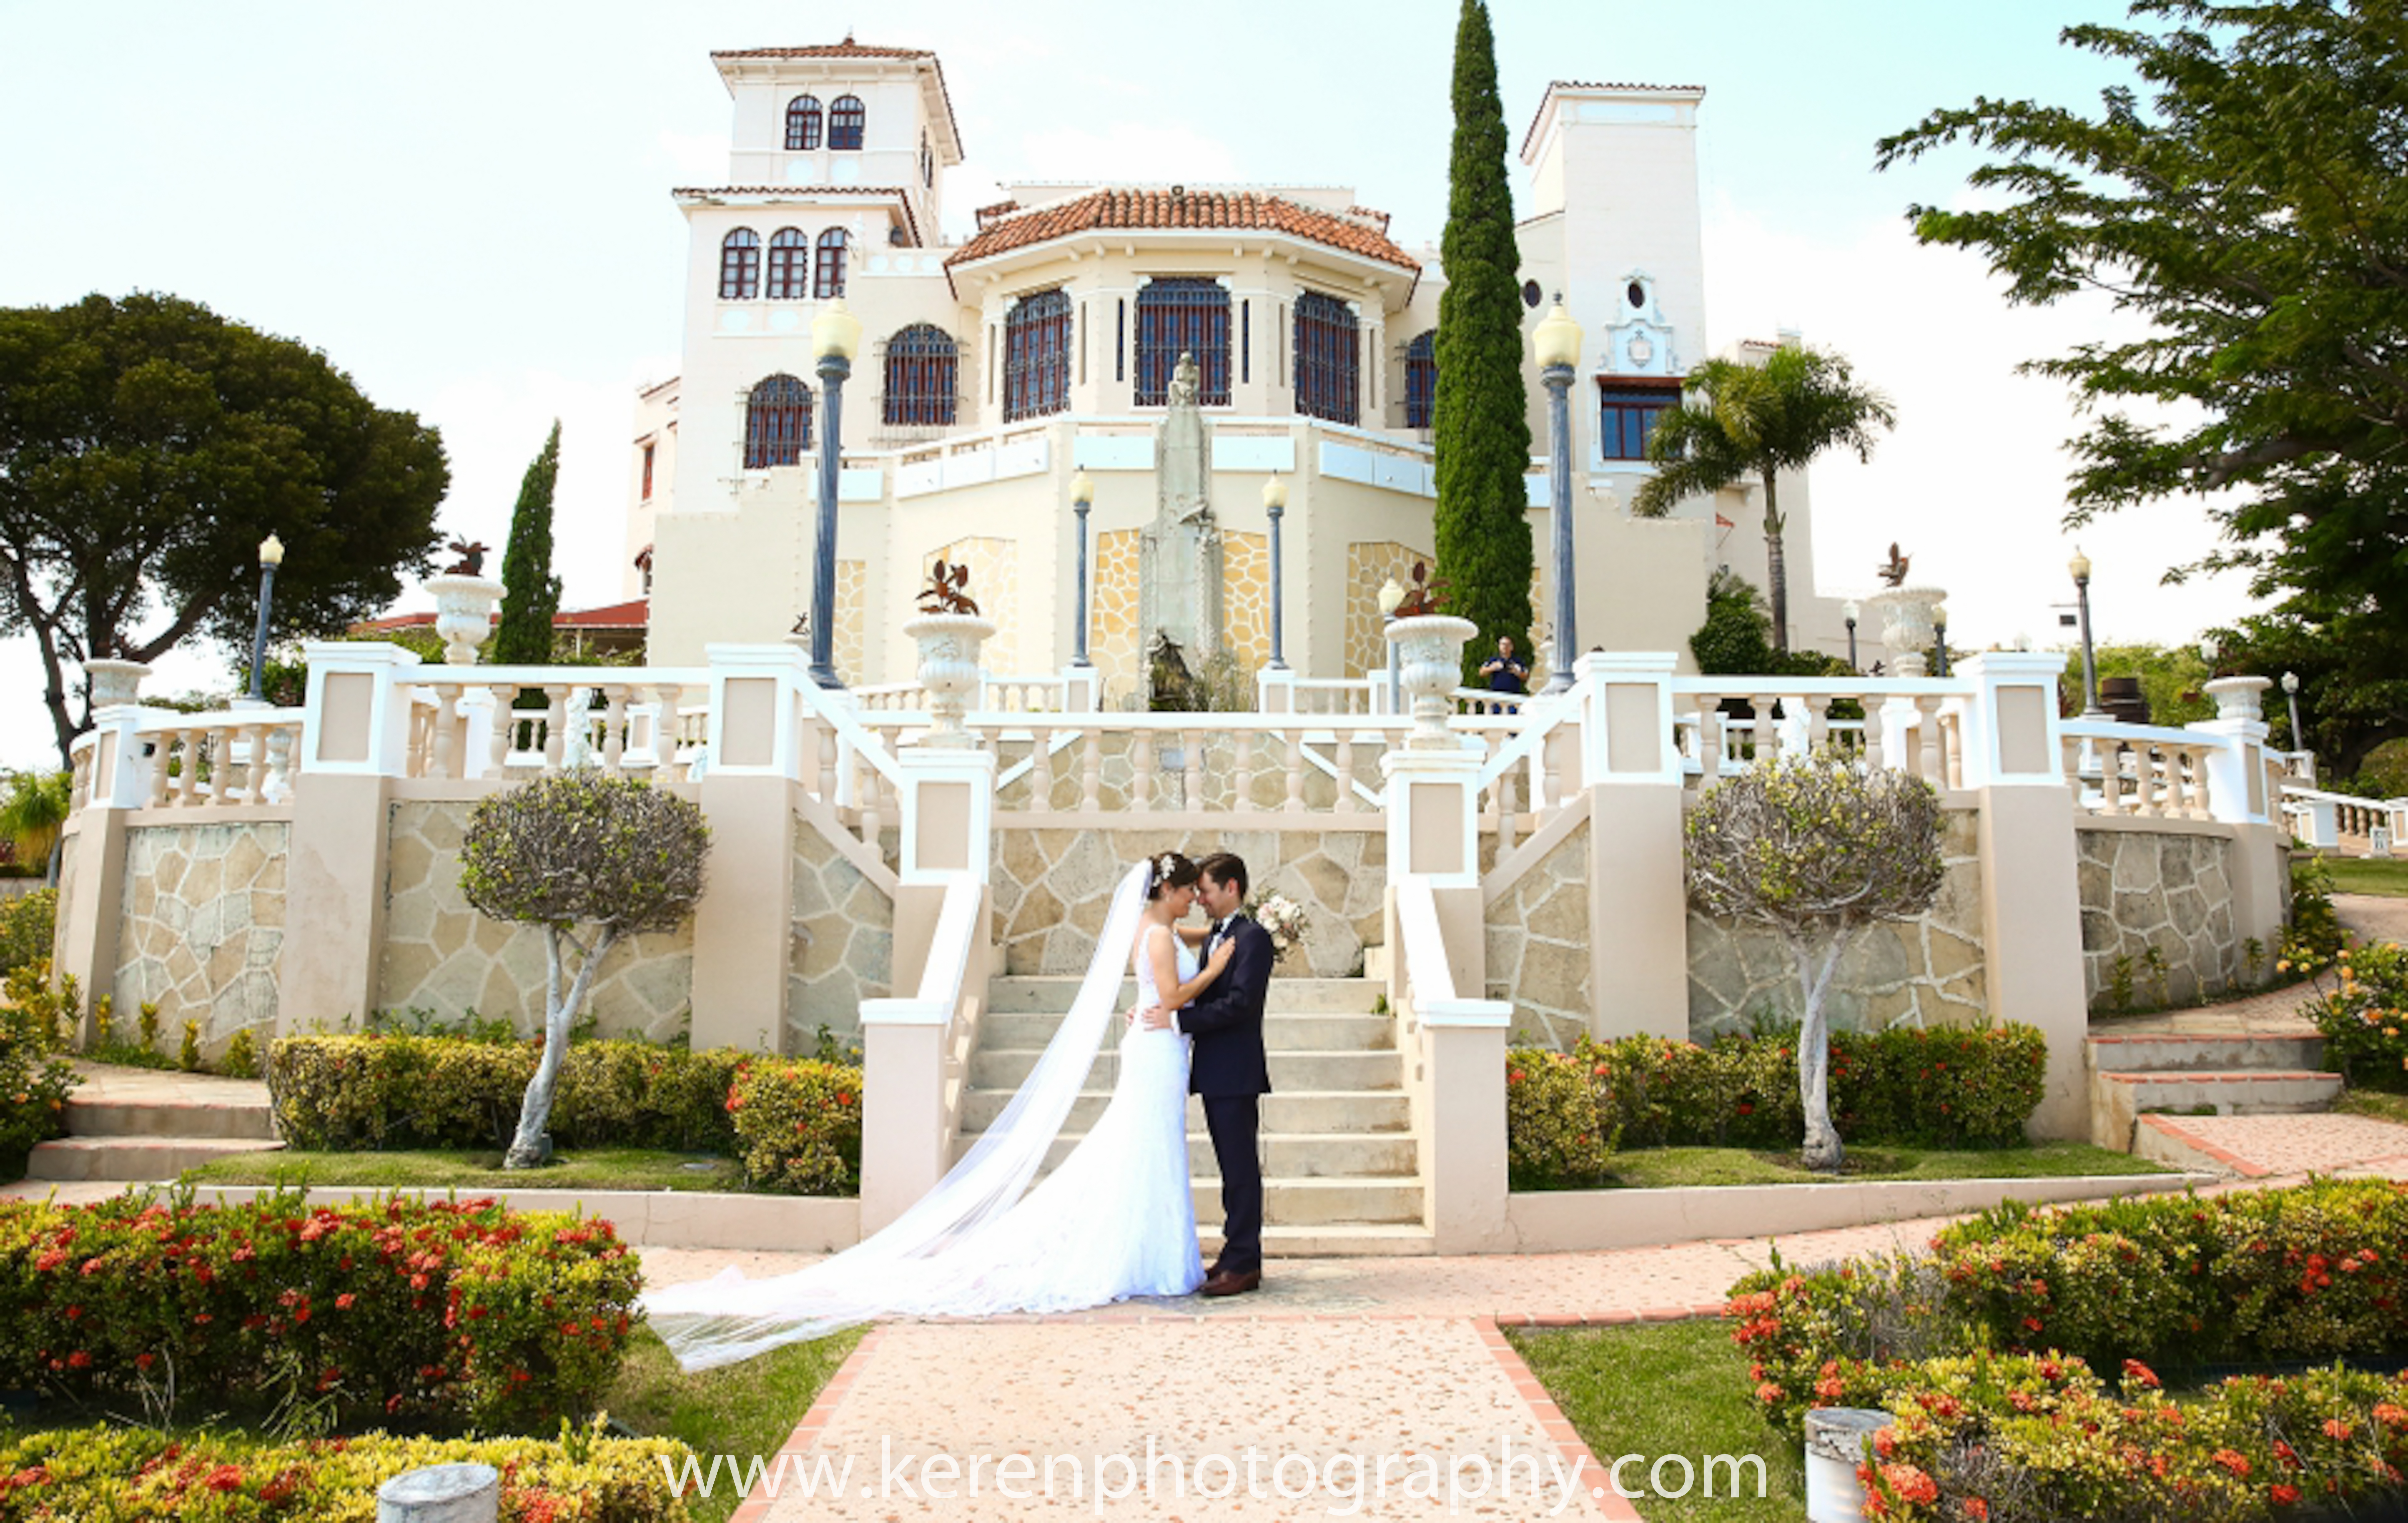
(1667, 1388)
(742, 1409)
(1656, 1167)
(585, 1169)
(2368, 875)
(2374, 1103)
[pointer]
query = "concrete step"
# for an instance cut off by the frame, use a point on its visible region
(1043, 994)
(1008, 1069)
(133, 1158)
(2239, 1051)
(255, 1120)
(1283, 1113)
(1332, 1240)
(2118, 1100)
(1326, 1202)
(1329, 1156)
(1283, 1031)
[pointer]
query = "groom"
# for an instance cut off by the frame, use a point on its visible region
(1228, 1070)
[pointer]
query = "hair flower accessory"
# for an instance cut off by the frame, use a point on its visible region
(1163, 865)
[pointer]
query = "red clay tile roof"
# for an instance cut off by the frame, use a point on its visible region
(1160, 210)
(634, 615)
(1554, 85)
(1370, 214)
(847, 49)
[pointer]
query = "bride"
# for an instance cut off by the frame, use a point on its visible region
(1116, 1219)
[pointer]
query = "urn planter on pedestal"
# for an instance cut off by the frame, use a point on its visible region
(950, 672)
(1429, 661)
(463, 614)
(115, 681)
(1908, 628)
(2239, 698)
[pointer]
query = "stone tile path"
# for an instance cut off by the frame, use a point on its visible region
(2372, 917)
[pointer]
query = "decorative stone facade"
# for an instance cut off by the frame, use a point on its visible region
(443, 956)
(2143, 889)
(1926, 971)
(1538, 945)
(1052, 889)
(843, 943)
(1246, 599)
(1368, 564)
(1112, 614)
(994, 586)
(203, 921)
(850, 649)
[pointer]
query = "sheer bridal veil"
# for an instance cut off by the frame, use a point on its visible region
(928, 1261)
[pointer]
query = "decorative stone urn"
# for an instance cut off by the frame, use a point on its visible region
(463, 614)
(2238, 697)
(1907, 630)
(950, 672)
(1429, 666)
(115, 681)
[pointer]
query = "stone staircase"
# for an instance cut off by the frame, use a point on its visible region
(2180, 1066)
(1340, 1160)
(136, 1125)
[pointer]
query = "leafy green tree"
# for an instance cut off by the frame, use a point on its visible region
(576, 849)
(34, 809)
(2353, 672)
(147, 445)
(1480, 415)
(1817, 852)
(1737, 421)
(2246, 198)
(531, 594)
(2173, 680)
(1735, 637)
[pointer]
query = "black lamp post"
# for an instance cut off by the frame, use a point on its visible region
(2080, 566)
(1852, 611)
(1083, 496)
(1275, 504)
(1939, 638)
(836, 334)
(2291, 696)
(271, 555)
(1555, 343)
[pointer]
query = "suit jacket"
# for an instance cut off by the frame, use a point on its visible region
(1226, 1021)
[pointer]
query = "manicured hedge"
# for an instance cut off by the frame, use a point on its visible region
(2364, 1017)
(1951, 1087)
(113, 1474)
(35, 1084)
(367, 1093)
(442, 1312)
(1988, 1347)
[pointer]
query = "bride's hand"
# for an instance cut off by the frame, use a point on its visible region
(1221, 955)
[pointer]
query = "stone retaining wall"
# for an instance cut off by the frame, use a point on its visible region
(1052, 888)
(843, 943)
(202, 921)
(2173, 892)
(1539, 944)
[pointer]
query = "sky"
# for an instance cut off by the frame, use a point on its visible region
(466, 208)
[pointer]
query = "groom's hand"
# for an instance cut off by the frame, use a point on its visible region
(1155, 1018)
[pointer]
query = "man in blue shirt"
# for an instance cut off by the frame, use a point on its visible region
(1507, 672)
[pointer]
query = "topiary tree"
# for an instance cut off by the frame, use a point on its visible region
(573, 850)
(531, 594)
(1815, 851)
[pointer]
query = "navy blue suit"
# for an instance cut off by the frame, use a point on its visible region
(1229, 1069)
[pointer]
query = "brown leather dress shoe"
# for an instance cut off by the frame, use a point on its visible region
(1226, 1283)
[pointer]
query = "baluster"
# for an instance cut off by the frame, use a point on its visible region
(864, 794)
(446, 738)
(1767, 737)
(278, 785)
(1927, 742)
(1709, 736)
(2070, 749)
(1191, 746)
(1951, 735)
(195, 788)
(1818, 722)
(2148, 762)
(506, 727)
(156, 794)
(614, 729)
(1040, 771)
(2111, 780)
(669, 730)
(1876, 754)
(1242, 770)
(1294, 742)
(1345, 798)
(555, 728)
(1142, 788)
(1091, 767)
(254, 766)
(2199, 804)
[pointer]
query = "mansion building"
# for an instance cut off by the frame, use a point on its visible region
(992, 370)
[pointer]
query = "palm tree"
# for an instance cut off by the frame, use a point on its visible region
(1737, 421)
(32, 812)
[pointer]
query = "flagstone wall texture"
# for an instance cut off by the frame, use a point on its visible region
(203, 919)
(441, 954)
(1538, 945)
(1052, 889)
(843, 943)
(2143, 889)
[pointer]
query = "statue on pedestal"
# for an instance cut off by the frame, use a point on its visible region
(1180, 554)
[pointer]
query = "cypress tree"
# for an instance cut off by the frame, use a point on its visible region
(532, 595)
(1480, 414)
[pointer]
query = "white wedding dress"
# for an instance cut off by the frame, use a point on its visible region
(1116, 1219)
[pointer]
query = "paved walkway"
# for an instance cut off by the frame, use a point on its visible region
(2373, 917)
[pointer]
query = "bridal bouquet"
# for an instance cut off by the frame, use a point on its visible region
(1285, 919)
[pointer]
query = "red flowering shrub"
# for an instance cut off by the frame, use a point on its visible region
(798, 1126)
(443, 1312)
(1554, 1136)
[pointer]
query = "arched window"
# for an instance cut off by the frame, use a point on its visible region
(790, 265)
(1183, 316)
(921, 369)
(803, 122)
(1037, 356)
(777, 423)
(845, 119)
(739, 265)
(1421, 379)
(1328, 364)
(829, 281)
